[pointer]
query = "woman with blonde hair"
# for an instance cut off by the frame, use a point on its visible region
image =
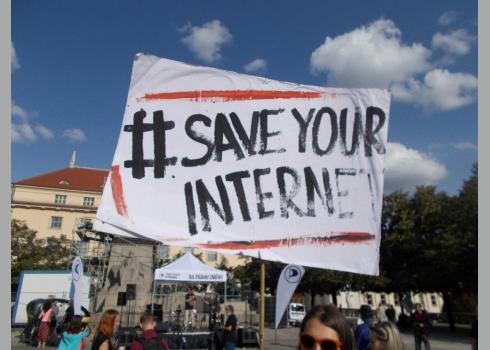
(108, 325)
(384, 336)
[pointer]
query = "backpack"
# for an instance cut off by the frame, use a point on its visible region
(153, 343)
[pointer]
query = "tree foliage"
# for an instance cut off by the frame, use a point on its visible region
(27, 252)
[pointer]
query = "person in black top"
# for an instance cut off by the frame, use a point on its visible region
(69, 313)
(391, 313)
(104, 335)
(208, 308)
(190, 305)
(230, 333)
(421, 324)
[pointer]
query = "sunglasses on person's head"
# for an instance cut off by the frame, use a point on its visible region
(309, 342)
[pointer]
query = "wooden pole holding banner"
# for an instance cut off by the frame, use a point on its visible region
(262, 307)
(153, 295)
(225, 293)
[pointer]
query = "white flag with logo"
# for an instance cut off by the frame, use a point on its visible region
(77, 273)
(288, 281)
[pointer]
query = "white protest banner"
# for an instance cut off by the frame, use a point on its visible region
(76, 274)
(224, 161)
(288, 281)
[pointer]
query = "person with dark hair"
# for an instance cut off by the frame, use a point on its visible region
(209, 308)
(150, 339)
(421, 324)
(70, 312)
(362, 331)
(108, 325)
(190, 307)
(391, 313)
(385, 336)
(74, 336)
(218, 322)
(45, 321)
(325, 328)
(230, 332)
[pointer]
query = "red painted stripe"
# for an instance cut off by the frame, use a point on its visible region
(117, 191)
(341, 238)
(232, 95)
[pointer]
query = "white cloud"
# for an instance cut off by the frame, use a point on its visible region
(74, 135)
(22, 129)
(22, 132)
(436, 145)
(372, 56)
(18, 111)
(375, 56)
(44, 132)
(206, 41)
(464, 146)
(447, 18)
(407, 168)
(440, 89)
(14, 60)
(257, 65)
(457, 42)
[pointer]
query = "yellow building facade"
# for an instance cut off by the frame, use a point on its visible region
(58, 202)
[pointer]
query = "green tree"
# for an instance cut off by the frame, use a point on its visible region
(28, 252)
(398, 244)
(223, 265)
(466, 223)
(319, 281)
(455, 267)
(24, 250)
(249, 274)
(429, 242)
(57, 253)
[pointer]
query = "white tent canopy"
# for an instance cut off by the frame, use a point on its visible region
(188, 268)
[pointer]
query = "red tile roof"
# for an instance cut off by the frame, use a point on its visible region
(76, 178)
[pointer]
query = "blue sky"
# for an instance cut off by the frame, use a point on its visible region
(71, 65)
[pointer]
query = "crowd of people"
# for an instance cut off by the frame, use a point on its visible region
(74, 333)
(51, 325)
(324, 328)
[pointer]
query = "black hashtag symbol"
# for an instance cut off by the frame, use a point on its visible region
(160, 161)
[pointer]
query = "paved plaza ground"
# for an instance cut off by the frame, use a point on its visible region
(441, 339)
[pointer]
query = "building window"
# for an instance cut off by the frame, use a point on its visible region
(397, 300)
(369, 298)
(383, 299)
(163, 251)
(84, 223)
(88, 201)
(56, 221)
(433, 300)
(60, 199)
(212, 256)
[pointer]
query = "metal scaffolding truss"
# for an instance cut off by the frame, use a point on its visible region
(96, 251)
